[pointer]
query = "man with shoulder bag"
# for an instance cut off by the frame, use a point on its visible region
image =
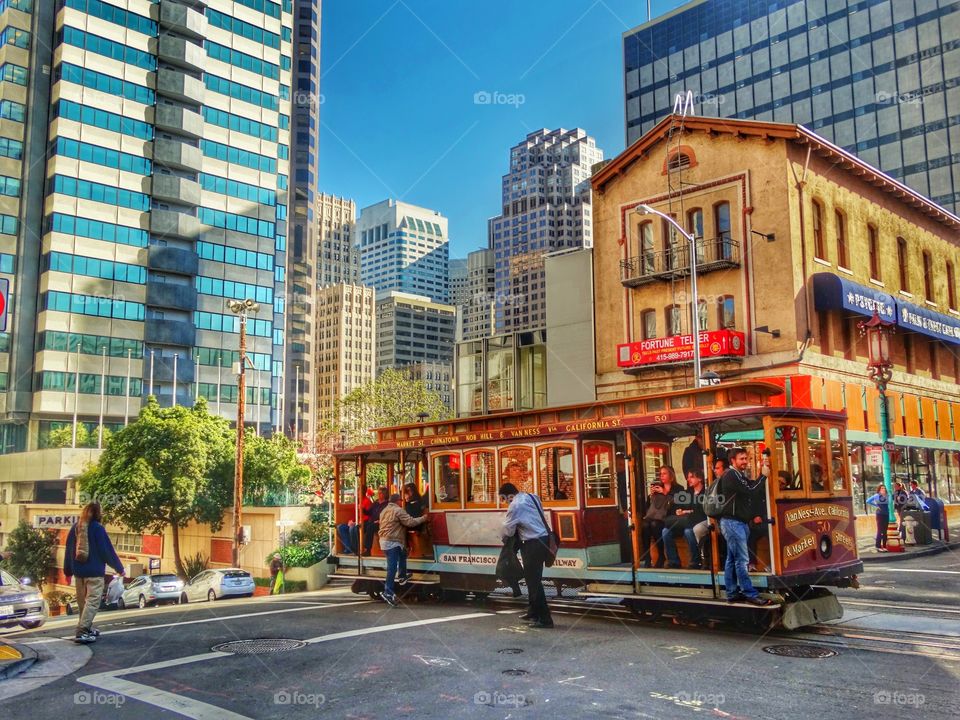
(537, 549)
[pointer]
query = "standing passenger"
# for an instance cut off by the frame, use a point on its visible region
(394, 521)
(525, 514)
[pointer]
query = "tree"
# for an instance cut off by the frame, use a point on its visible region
(168, 468)
(62, 437)
(392, 399)
(270, 465)
(32, 553)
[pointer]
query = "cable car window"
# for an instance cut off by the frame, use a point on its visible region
(654, 455)
(446, 479)
(838, 462)
(599, 473)
(818, 459)
(555, 468)
(516, 466)
(481, 478)
(348, 482)
(786, 456)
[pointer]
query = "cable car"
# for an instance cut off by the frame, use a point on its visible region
(594, 468)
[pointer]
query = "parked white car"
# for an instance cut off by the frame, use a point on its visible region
(151, 590)
(20, 603)
(216, 584)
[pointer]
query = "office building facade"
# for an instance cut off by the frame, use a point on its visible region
(875, 77)
(145, 185)
(405, 248)
(545, 207)
(477, 315)
(337, 258)
(345, 357)
(413, 329)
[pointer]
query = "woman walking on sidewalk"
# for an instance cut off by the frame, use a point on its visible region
(88, 553)
(882, 503)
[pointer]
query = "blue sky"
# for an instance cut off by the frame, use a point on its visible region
(399, 79)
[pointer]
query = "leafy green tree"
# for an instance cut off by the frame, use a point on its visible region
(32, 553)
(392, 399)
(270, 465)
(170, 467)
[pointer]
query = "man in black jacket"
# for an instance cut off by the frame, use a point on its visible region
(738, 492)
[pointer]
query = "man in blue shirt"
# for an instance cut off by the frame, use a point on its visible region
(525, 516)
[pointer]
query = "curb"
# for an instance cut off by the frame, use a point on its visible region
(898, 557)
(11, 668)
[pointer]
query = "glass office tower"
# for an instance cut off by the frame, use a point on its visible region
(145, 185)
(876, 77)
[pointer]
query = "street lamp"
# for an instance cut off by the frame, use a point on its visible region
(695, 304)
(240, 308)
(880, 370)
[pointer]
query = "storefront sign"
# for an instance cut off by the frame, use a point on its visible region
(715, 343)
(832, 292)
(928, 322)
(55, 522)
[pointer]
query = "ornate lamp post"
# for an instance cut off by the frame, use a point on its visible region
(880, 370)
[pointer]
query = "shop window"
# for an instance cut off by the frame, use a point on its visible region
(599, 474)
(786, 457)
(817, 459)
(481, 478)
(516, 466)
(557, 475)
(838, 463)
(445, 479)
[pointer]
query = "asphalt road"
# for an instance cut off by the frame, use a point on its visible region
(354, 658)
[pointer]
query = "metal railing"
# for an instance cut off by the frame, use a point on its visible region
(712, 254)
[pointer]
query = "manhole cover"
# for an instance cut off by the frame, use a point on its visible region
(516, 672)
(259, 647)
(813, 652)
(510, 651)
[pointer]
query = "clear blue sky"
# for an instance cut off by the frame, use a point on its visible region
(399, 78)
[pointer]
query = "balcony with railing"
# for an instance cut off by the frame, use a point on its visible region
(712, 254)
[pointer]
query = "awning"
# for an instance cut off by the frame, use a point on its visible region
(832, 292)
(928, 322)
(902, 441)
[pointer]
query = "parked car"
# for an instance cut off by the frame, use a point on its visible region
(151, 590)
(20, 603)
(216, 584)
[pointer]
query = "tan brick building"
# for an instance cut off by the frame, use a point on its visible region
(797, 241)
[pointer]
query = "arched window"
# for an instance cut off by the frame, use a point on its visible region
(645, 235)
(873, 249)
(721, 221)
(695, 227)
(902, 259)
(927, 275)
(843, 255)
(649, 321)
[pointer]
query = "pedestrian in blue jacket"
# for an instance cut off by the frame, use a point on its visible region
(88, 553)
(882, 503)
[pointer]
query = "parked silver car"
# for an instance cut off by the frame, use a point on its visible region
(20, 603)
(151, 590)
(216, 584)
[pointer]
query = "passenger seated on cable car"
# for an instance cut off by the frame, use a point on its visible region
(816, 477)
(783, 477)
(688, 519)
(659, 505)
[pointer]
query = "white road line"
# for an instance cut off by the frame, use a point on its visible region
(878, 604)
(915, 570)
(112, 681)
(224, 617)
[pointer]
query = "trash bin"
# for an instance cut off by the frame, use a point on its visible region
(917, 525)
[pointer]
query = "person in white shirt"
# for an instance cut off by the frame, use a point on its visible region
(525, 516)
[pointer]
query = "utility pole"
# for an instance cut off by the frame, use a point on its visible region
(240, 308)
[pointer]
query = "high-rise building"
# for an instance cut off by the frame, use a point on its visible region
(345, 344)
(546, 207)
(477, 317)
(298, 407)
(413, 329)
(144, 184)
(337, 258)
(436, 377)
(404, 248)
(459, 281)
(875, 78)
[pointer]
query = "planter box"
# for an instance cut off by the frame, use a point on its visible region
(315, 576)
(260, 591)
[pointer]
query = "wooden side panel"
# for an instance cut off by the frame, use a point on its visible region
(853, 399)
(944, 431)
(929, 416)
(911, 415)
(834, 393)
(601, 525)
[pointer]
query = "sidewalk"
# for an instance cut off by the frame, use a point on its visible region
(868, 554)
(15, 659)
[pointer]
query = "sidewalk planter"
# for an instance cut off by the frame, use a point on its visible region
(315, 576)
(260, 590)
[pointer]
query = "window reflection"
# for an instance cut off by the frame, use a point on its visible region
(516, 466)
(556, 472)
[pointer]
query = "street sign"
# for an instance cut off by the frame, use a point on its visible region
(889, 446)
(4, 302)
(154, 564)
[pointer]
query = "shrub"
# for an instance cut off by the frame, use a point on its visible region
(195, 564)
